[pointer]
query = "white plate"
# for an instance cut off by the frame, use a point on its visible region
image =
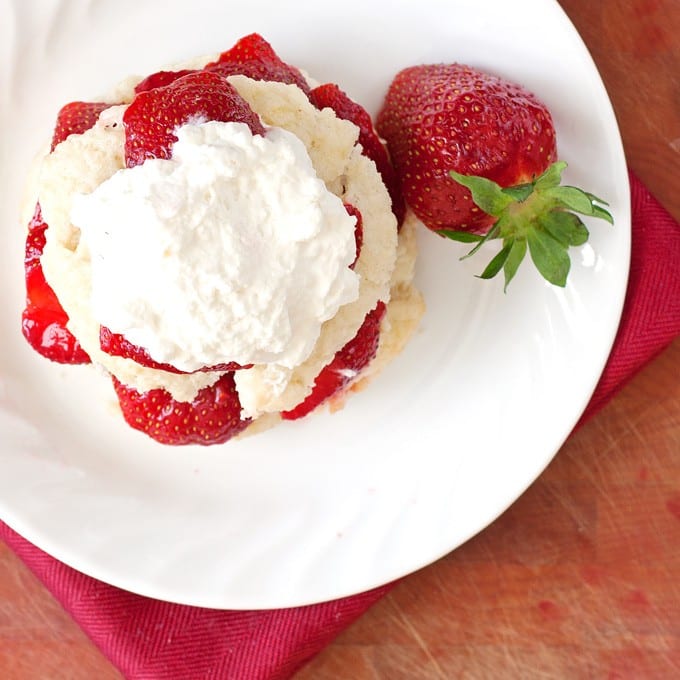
(452, 432)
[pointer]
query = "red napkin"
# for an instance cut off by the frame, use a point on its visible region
(148, 639)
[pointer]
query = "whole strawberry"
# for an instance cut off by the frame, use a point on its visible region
(476, 157)
(251, 56)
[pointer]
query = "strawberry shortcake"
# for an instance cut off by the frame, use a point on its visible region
(226, 239)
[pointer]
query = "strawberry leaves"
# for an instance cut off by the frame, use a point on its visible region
(44, 321)
(540, 216)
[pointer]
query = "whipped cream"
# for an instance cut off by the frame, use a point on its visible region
(231, 250)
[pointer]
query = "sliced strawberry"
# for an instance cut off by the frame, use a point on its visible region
(160, 79)
(117, 345)
(331, 96)
(152, 117)
(76, 118)
(358, 230)
(346, 364)
(213, 417)
(43, 321)
(254, 57)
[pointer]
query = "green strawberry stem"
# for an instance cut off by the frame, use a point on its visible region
(540, 216)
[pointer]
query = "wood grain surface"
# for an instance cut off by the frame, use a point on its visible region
(580, 578)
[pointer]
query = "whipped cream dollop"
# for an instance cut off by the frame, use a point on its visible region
(231, 250)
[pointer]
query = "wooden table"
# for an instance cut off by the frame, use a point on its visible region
(581, 577)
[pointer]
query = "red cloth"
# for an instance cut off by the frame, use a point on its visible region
(152, 640)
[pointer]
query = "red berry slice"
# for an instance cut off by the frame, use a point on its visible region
(346, 364)
(160, 79)
(153, 116)
(118, 345)
(358, 230)
(213, 417)
(254, 57)
(331, 96)
(43, 321)
(477, 159)
(442, 117)
(76, 118)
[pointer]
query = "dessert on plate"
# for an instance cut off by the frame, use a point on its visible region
(227, 240)
(234, 243)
